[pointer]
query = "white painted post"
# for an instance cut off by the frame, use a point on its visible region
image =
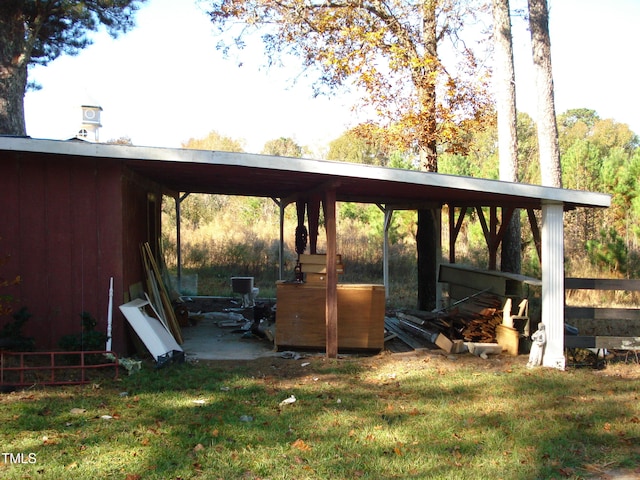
(109, 316)
(553, 283)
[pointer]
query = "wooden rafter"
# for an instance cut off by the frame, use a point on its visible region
(535, 231)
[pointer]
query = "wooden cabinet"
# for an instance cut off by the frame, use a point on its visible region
(300, 316)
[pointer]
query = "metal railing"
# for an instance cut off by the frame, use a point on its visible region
(21, 369)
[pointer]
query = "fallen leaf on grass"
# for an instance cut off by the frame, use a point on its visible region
(77, 411)
(198, 448)
(48, 441)
(301, 445)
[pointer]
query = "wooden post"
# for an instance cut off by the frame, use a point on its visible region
(331, 317)
(388, 215)
(454, 230)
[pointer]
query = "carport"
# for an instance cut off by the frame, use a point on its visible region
(293, 180)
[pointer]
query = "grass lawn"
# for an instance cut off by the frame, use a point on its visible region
(409, 416)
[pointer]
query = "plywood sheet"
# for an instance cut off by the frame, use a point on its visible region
(300, 321)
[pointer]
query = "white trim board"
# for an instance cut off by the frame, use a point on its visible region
(153, 334)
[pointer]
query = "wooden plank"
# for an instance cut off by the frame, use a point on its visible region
(602, 342)
(392, 324)
(156, 279)
(602, 313)
(316, 268)
(579, 341)
(601, 284)
(317, 258)
(618, 343)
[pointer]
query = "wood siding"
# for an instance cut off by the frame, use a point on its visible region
(69, 224)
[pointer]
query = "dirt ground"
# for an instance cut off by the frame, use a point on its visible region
(427, 358)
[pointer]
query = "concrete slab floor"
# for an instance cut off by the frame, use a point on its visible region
(209, 339)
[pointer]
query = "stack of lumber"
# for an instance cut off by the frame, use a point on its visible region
(482, 329)
(158, 295)
(475, 320)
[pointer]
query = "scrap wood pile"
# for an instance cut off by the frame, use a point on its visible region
(158, 295)
(473, 320)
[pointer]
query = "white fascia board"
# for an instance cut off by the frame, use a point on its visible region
(324, 167)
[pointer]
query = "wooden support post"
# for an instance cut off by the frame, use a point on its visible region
(332, 274)
(489, 234)
(492, 234)
(454, 230)
(535, 231)
(493, 244)
(281, 207)
(388, 215)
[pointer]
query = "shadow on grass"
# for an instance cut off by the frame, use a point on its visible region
(361, 417)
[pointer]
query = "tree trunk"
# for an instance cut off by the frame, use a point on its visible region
(550, 170)
(428, 228)
(13, 73)
(505, 90)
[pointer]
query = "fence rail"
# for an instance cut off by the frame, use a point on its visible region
(21, 369)
(603, 314)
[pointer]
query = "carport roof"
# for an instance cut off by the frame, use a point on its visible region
(200, 171)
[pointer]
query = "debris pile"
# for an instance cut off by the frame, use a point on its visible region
(474, 319)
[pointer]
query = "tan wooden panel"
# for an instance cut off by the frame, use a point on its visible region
(300, 320)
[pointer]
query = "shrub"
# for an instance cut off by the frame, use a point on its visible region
(87, 340)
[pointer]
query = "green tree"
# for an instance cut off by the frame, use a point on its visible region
(37, 32)
(601, 155)
(215, 141)
(354, 147)
(528, 164)
(389, 52)
(197, 208)
(285, 147)
(367, 143)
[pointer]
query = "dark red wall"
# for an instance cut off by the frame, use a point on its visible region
(69, 224)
